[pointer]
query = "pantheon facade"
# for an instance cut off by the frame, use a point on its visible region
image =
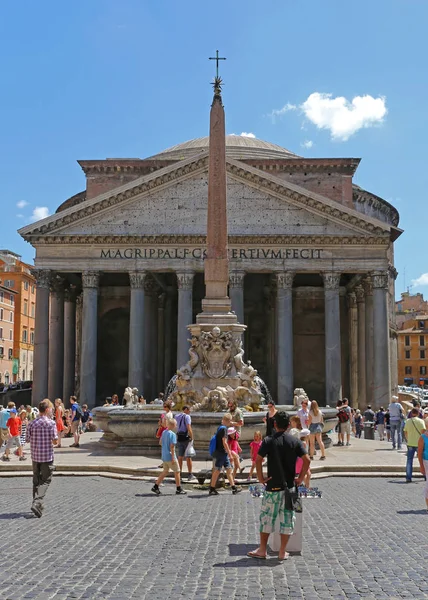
(119, 272)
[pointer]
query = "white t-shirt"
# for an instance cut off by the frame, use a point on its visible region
(316, 418)
(303, 416)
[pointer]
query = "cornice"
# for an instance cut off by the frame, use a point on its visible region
(200, 240)
(305, 198)
(345, 166)
(361, 196)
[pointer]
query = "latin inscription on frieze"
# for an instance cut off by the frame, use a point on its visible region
(200, 253)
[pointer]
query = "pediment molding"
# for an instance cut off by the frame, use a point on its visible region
(286, 191)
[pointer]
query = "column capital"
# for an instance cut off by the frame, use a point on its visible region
(185, 280)
(150, 285)
(43, 277)
(136, 279)
(70, 293)
(90, 279)
(352, 300)
(380, 279)
(331, 281)
(368, 285)
(236, 279)
(57, 284)
(285, 280)
(359, 292)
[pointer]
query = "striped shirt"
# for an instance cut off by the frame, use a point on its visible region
(40, 433)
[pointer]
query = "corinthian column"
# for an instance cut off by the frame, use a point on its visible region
(368, 289)
(41, 337)
(69, 342)
(88, 365)
(284, 309)
(236, 293)
(353, 346)
(185, 315)
(361, 337)
(382, 386)
(56, 339)
(136, 328)
(150, 337)
(333, 354)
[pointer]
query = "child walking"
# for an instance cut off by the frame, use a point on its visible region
(235, 449)
(169, 459)
(254, 447)
(14, 426)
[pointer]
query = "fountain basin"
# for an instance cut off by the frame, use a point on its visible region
(133, 431)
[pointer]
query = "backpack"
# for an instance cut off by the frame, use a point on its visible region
(213, 441)
(343, 416)
(79, 412)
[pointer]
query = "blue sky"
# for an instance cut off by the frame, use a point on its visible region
(101, 78)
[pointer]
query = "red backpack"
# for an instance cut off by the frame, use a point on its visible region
(343, 416)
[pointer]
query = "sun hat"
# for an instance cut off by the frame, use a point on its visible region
(231, 431)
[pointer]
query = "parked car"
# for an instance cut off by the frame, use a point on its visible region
(25, 385)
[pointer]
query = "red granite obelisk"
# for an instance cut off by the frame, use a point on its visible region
(216, 267)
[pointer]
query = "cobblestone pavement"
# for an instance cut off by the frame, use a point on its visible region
(107, 539)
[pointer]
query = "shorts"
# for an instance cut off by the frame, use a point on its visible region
(181, 448)
(75, 426)
(274, 517)
(316, 427)
(13, 441)
(4, 434)
(170, 465)
(345, 427)
(221, 460)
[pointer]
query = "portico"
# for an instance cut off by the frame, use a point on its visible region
(310, 275)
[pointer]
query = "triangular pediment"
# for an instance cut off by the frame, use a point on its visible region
(173, 200)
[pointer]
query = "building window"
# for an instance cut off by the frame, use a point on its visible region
(26, 285)
(421, 340)
(32, 289)
(421, 353)
(1, 296)
(421, 324)
(11, 317)
(25, 307)
(24, 335)
(32, 337)
(11, 335)
(6, 378)
(407, 340)
(422, 370)
(10, 353)
(31, 375)
(1, 333)
(9, 283)
(33, 310)
(407, 353)
(23, 358)
(1, 351)
(408, 370)
(1, 314)
(12, 300)
(23, 375)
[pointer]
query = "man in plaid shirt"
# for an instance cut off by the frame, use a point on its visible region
(41, 433)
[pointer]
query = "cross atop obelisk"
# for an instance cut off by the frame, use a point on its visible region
(216, 300)
(216, 58)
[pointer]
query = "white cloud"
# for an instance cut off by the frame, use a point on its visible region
(422, 280)
(245, 134)
(19, 216)
(279, 112)
(342, 117)
(307, 144)
(40, 212)
(338, 115)
(22, 204)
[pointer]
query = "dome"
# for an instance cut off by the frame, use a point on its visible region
(237, 146)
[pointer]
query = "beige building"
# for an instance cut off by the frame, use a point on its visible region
(120, 274)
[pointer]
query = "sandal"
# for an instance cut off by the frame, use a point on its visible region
(322, 458)
(285, 557)
(254, 555)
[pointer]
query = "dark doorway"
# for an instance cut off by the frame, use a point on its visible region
(113, 347)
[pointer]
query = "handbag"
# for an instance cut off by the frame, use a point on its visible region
(190, 450)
